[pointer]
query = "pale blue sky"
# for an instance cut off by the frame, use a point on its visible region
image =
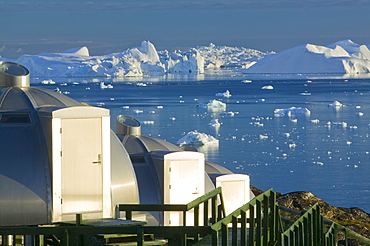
(36, 26)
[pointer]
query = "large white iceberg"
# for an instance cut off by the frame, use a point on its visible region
(213, 105)
(343, 57)
(138, 61)
(196, 138)
(291, 111)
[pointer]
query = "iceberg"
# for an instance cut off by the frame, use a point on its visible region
(196, 138)
(214, 123)
(104, 86)
(267, 87)
(342, 57)
(225, 94)
(291, 111)
(213, 105)
(336, 104)
(138, 61)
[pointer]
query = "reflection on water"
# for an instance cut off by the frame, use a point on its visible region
(326, 152)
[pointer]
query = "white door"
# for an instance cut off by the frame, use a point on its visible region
(184, 182)
(81, 167)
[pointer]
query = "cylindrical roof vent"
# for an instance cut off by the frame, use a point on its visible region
(126, 125)
(14, 75)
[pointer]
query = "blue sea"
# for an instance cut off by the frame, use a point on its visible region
(326, 152)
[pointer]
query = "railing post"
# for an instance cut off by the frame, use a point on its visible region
(184, 218)
(140, 236)
(196, 215)
(80, 238)
(243, 228)
(214, 218)
(273, 226)
(251, 225)
(128, 214)
(259, 224)
(214, 238)
(205, 213)
(265, 230)
(224, 235)
(234, 231)
(65, 238)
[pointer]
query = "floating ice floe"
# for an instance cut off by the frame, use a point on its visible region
(48, 82)
(104, 86)
(196, 138)
(214, 123)
(305, 93)
(286, 134)
(267, 87)
(225, 94)
(341, 124)
(336, 104)
(138, 111)
(141, 84)
(264, 137)
(147, 122)
(213, 105)
(315, 121)
(359, 114)
(228, 114)
(261, 100)
(291, 111)
(246, 81)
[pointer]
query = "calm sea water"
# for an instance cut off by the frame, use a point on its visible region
(285, 153)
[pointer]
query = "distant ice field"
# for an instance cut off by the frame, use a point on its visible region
(326, 152)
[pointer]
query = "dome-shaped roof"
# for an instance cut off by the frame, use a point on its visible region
(31, 98)
(135, 144)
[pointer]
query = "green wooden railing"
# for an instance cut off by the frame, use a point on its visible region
(213, 197)
(260, 222)
(257, 223)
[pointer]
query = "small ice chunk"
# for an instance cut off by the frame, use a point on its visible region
(305, 93)
(315, 121)
(103, 86)
(286, 134)
(264, 136)
(141, 84)
(214, 123)
(225, 94)
(138, 111)
(336, 104)
(228, 114)
(246, 81)
(267, 87)
(359, 114)
(147, 122)
(197, 139)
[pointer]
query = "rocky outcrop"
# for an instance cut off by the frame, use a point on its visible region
(353, 218)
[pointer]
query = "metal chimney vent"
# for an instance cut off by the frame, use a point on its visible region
(14, 75)
(126, 125)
